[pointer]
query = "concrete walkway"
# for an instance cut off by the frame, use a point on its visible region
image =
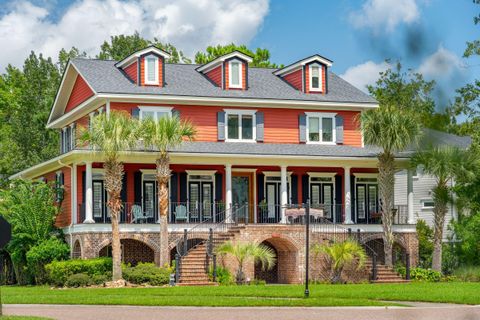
(418, 312)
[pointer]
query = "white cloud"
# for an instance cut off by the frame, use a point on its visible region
(190, 25)
(385, 15)
(364, 74)
(441, 64)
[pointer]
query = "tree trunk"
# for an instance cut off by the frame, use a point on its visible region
(163, 176)
(439, 213)
(113, 185)
(386, 185)
(337, 275)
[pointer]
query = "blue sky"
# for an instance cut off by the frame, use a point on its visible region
(358, 35)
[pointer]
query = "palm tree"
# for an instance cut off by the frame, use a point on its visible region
(111, 135)
(392, 129)
(444, 163)
(341, 254)
(163, 135)
(244, 252)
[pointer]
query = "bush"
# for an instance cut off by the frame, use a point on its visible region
(45, 252)
(224, 277)
(59, 271)
(78, 280)
(468, 273)
(98, 279)
(258, 282)
(421, 274)
(425, 244)
(147, 273)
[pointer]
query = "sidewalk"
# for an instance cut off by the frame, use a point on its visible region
(418, 311)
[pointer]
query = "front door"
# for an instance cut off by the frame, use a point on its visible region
(321, 196)
(99, 203)
(201, 200)
(242, 195)
(150, 201)
(273, 203)
(367, 202)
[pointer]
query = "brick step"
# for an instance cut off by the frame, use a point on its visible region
(203, 283)
(194, 279)
(391, 281)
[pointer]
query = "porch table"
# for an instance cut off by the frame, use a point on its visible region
(299, 213)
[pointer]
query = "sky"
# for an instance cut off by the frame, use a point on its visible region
(427, 36)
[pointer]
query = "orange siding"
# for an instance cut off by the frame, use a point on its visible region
(160, 72)
(64, 216)
(215, 75)
(295, 79)
(80, 92)
(281, 125)
(132, 71)
(307, 80)
(244, 77)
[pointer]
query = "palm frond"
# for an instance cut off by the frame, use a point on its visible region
(166, 133)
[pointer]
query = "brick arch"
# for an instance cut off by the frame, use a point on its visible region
(145, 240)
(378, 236)
(77, 249)
(77, 239)
(174, 243)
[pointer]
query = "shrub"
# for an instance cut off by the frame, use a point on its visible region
(421, 274)
(59, 271)
(224, 276)
(258, 282)
(98, 279)
(45, 252)
(78, 280)
(425, 244)
(468, 273)
(147, 273)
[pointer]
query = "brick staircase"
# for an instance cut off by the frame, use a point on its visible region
(193, 266)
(384, 274)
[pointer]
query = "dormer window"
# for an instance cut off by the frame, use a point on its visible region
(315, 77)
(235, 74)
(151, 70)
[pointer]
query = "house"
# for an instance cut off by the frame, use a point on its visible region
(267, 141)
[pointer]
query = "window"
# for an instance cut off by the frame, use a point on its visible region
(155, 113)
(428, 204)
(320, 128)
(240, 125)
(235, 74)
(315, 77)
(151, 70)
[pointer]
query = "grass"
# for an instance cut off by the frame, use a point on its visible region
(468, 273)
(279, 295)
(21, 318)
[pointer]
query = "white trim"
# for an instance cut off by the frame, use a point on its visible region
(206, 67)
(240, 113)
(365, 175)
(240, 74)
(423, 200)
(320, 77)
(243, 170)
(201, 172)
(322, 174)
(275, 173)
(156, 81)
(128, 60)
(303, 62)
(320, 116)
(154, 109)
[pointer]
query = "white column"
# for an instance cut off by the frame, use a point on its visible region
(73, 192)
(411, 219)
(88, 195)
(107, 107)
(228, 186)
(283, 192)
(348, 195)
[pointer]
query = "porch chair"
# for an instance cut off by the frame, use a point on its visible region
(137, 214)
(181, 213)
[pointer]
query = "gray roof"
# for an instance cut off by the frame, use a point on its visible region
(184, 80)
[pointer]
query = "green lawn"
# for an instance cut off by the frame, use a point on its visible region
(278, 295)
(21, 318)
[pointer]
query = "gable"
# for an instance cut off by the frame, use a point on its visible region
(80, 92)
(132, 72)
(295, 79)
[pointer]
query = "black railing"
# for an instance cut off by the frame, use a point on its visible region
(196, 212)
(131, 212)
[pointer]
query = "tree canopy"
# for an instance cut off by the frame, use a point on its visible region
(261, 57)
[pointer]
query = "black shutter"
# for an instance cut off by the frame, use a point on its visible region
(260, 126)
(294, 181)
(305, 187)
(61, 142)
(338, 198)
(176, 112)
(174, 188)
(302, 127)
(123, 193)
(339, 129)
(84, 186)
(218, 186)
(183, 187)
(221, 126)
(137, 187)
(261, 187)
(136, 113)
(353, 203)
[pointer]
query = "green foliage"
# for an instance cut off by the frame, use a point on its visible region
(341, 254)
(421, 274)
(147, 273)
(121, 46)
(28, 206)
(261, 57)
(224, 276)
(425, 244)
(468, 273)
(45, 252)
(450, 261)
(244, 252)
(78, 280)
(467, 230)
(98, 279)
(59, 271)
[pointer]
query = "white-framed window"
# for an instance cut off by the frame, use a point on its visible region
(235, 74)
(315, 74)
(321, 127)
(240, 125)
(151, 69)
(428, 204)
(156, 113)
